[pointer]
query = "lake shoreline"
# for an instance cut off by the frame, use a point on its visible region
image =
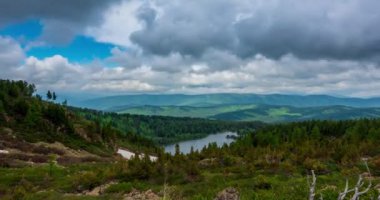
(198, 144)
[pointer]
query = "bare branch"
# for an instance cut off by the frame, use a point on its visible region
(343, 194)
(357, 193)
(359, 184)
(312, 186)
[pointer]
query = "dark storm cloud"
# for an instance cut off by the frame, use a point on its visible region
(341, 29)
(61, 19)
(188, 27)
(69, 10)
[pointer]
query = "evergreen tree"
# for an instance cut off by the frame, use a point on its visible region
(315, 133)
(49, 95)
(177, 150)
(54, 96)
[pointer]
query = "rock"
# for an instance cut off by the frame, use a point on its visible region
(207, 162)
(137, 195)
(4, 152)
(99, 190)
(228, 194)
(7, 131)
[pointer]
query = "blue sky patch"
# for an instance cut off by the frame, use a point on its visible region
(26, 30)
(82, 50)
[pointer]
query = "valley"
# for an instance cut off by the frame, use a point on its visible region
(53, 151)
(189, 100)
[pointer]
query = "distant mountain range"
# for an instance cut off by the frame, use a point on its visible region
(241, 107)
(204, 100)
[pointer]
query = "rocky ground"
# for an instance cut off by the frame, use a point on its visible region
(18, 153)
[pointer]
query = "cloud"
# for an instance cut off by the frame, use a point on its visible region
(11, 55)
(51, 71)
(258, 74)
(58, 73)
(119, 86)
(342, 29)
(120, 21)
(288, 75)
(62, 20)
(178, 46)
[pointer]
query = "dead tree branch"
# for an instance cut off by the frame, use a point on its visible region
(312, 185)
(360, 183)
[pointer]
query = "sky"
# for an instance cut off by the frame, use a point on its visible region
(193, 47)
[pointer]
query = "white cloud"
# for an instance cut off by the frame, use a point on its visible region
(11, 55)
(54, 72)
(119, 23)
(112, 86)
(180, 74)
(260, 74)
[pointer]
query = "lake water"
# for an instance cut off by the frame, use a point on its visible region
(198, 144)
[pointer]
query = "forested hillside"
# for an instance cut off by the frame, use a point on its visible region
(163, 129)
(26, 119)
(253, 112)
(271, 163)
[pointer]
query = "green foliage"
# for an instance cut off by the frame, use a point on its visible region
(124, 187)
(52, 163)
(88, 180)
(35, 120)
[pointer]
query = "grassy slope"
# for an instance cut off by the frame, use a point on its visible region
(26, 120)
(254, 112)
(33, 183)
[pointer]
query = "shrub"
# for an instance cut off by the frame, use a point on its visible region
(314, 164)
(125, 187)
(87, 180)
(262, 183)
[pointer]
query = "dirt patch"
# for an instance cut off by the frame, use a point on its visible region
(99, 190)
(228, 194)
(139, 195)
(21, 153)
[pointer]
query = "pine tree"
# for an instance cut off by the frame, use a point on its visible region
(315, 133)
(54, 96)
(177, 150)
(49, 95)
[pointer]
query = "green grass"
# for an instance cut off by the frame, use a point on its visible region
(279, 112)
(35, 183)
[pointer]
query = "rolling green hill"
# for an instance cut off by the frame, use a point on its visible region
(253, 112)
(117, 103)
(186, 111)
